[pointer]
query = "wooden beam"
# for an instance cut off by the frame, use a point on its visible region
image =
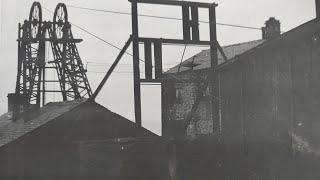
(148, 59)
(113, 66)
(186, 22)
(136, 59)
(175, 41)
(175, 3)
(158, 59)
(195, 23)
(318, 8)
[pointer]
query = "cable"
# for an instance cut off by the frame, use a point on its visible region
(119, 72)
(95, 36)
(160, 17)
(114, 47)
(94, 63)
(184, 51)
(103, 40)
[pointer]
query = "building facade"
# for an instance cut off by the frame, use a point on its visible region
(268, 100)
(184, 83)
(81, 140)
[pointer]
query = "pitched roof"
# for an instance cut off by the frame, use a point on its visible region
(10, 131)
(85, 116)
(202, 59)
(296, 35)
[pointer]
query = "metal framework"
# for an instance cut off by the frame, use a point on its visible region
(191, 34)
(32, 38)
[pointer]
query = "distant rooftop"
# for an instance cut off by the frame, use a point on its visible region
(202, 59)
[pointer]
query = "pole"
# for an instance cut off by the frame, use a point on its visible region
(214, 63)
(136, 68)
(318, 9)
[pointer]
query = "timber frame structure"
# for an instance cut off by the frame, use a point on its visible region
(153, 64)
(191, 36)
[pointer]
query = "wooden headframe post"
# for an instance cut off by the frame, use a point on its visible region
(191, 36)
(136, 58)
(317, 9)
(215, 101)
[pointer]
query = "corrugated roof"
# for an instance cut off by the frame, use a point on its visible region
(10, 131)
(202, 59)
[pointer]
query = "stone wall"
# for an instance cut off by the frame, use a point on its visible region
(180, 93)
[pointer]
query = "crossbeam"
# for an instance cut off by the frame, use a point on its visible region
(191, 36)
(175, 41)
(175, 3)
(35, 40)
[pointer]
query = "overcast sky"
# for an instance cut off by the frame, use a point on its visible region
(97, 56)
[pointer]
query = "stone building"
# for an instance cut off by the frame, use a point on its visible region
(184, 83)
(268, 120)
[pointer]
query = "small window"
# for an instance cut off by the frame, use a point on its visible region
(178, 97)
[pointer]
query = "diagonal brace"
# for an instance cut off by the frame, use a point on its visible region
(113, 66)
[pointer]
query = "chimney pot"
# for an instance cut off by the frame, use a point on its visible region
(272, 29)
(17, 103)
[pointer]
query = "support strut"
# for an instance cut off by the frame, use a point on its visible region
(113, 66)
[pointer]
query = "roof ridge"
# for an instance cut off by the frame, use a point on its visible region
(230, 51)
(283, 36)
(236, 44)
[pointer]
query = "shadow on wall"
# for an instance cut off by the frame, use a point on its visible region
(207, 159)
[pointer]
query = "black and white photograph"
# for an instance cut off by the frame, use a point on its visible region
(159, 90)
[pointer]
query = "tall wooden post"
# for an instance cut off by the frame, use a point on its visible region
(214, 63)
(136, 68)
(318, 8)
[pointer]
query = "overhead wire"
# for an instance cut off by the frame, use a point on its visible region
(119, 72)
(160, 17)
(182, 57)
(96, 36)
(91, 63)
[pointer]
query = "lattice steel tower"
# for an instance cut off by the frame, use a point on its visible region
(33, 35)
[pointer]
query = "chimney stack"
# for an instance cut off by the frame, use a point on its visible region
(272, 29)
(17, 104)
(318, 8)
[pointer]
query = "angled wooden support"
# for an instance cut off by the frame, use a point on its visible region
(113, 66)
(221, 51)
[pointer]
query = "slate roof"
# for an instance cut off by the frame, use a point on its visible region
(310, 29)
(10, 131)
(202, 59)
(84, 115)
(5, 119)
